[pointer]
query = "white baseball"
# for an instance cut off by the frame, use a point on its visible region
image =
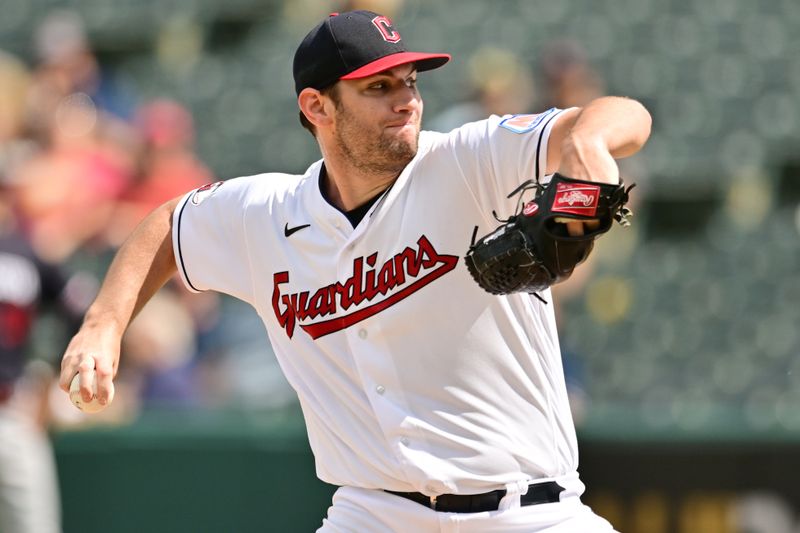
(92, 406)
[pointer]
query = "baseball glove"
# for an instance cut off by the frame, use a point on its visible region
(532, 250)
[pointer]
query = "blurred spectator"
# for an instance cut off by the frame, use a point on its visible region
(66, 65)
(15, 82)
(500, 84)
(388, 8)
(168, 166)
(29, 499)
(67, 192)
(164, 365)
(160, 354)
(302, 13)
(568, 79)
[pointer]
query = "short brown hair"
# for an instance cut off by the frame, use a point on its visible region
(332, 92)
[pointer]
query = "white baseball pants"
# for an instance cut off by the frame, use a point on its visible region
(29, 498)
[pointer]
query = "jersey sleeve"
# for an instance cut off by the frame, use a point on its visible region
(497, 154)
(209, 240)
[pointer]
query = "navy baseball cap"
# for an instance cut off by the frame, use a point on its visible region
(352, 45)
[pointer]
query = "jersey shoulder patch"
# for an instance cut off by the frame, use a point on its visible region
(204, 192)
(525, 123)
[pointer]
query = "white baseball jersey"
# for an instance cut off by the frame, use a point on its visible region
(410, 376)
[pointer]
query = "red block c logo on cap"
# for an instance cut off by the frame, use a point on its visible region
(384, 26)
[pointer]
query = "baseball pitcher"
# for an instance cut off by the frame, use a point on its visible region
(399, 307)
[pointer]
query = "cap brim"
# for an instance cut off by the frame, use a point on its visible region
(423, 62)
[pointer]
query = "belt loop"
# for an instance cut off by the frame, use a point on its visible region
(512, 498)
(433, 502)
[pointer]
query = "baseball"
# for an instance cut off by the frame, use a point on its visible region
(92, 406)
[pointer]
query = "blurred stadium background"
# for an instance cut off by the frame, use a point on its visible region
(680, 339)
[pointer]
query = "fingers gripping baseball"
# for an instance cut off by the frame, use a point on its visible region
(577, 228)
(87, 370)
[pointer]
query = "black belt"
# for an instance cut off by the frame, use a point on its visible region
(547, 492)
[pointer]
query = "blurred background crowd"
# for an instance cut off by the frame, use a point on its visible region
(681, 327)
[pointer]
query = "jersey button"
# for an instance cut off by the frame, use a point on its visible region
(404, 441)
(380, 389)
(362, 333)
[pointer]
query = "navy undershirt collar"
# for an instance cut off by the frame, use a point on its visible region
(354, 216)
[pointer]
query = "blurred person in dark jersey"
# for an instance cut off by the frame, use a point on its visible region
(29, 498)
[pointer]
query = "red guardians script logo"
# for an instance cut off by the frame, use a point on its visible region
(398, 278)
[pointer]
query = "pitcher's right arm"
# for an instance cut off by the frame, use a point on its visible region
(142, 265)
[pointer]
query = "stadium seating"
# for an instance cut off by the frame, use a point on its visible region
(689, 322)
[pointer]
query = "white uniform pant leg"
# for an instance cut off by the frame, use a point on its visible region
(29, 497)
(357, 510)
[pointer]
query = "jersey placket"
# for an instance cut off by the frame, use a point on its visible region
(375, 365)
